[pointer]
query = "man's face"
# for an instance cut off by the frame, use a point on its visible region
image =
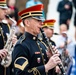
(63, 28)
(48, 32)
(34, 26)
(2, 13)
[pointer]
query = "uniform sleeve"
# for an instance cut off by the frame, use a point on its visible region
(20, 57)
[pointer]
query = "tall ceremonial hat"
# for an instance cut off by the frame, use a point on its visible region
(33, 11)
(49, 23)
(3, 4)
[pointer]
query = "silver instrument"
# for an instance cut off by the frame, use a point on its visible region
(8, 59)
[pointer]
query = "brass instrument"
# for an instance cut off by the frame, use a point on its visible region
(50, 47)
(8, 59)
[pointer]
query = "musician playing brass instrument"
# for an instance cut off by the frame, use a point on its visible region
(4, 29)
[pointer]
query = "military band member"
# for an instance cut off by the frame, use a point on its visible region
(48, 27)
(29, 54)
(4, 29)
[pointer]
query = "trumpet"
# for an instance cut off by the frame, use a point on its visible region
(50, 46)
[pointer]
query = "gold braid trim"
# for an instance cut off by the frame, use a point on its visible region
(35, 71)
(1, 30)
(8, 26)
(44, 44)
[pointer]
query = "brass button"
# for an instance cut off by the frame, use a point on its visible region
(42, 53)
(34, 38)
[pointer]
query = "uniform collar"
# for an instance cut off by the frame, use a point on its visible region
(30, 36)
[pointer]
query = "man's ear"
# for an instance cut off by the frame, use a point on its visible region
(27, 23)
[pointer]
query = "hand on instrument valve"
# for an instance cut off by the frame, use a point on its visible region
(3, 53)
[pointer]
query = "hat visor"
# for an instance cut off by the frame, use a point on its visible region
(4, 7)
(39, 18)
(50, 27)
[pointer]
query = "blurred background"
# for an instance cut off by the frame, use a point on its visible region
(50, 11)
